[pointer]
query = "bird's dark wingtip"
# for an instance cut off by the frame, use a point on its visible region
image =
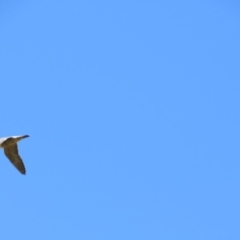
(23, 172)
(25, 136)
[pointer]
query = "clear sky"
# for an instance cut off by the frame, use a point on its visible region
(133, 112)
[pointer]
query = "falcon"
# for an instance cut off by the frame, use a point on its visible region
(9, 145)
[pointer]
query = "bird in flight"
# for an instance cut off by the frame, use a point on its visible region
(9, 144)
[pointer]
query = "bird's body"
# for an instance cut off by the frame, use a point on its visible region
(9, 144)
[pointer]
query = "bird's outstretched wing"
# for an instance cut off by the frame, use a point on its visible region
(12, 154)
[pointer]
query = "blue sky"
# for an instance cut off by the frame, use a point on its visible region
(133, 112)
